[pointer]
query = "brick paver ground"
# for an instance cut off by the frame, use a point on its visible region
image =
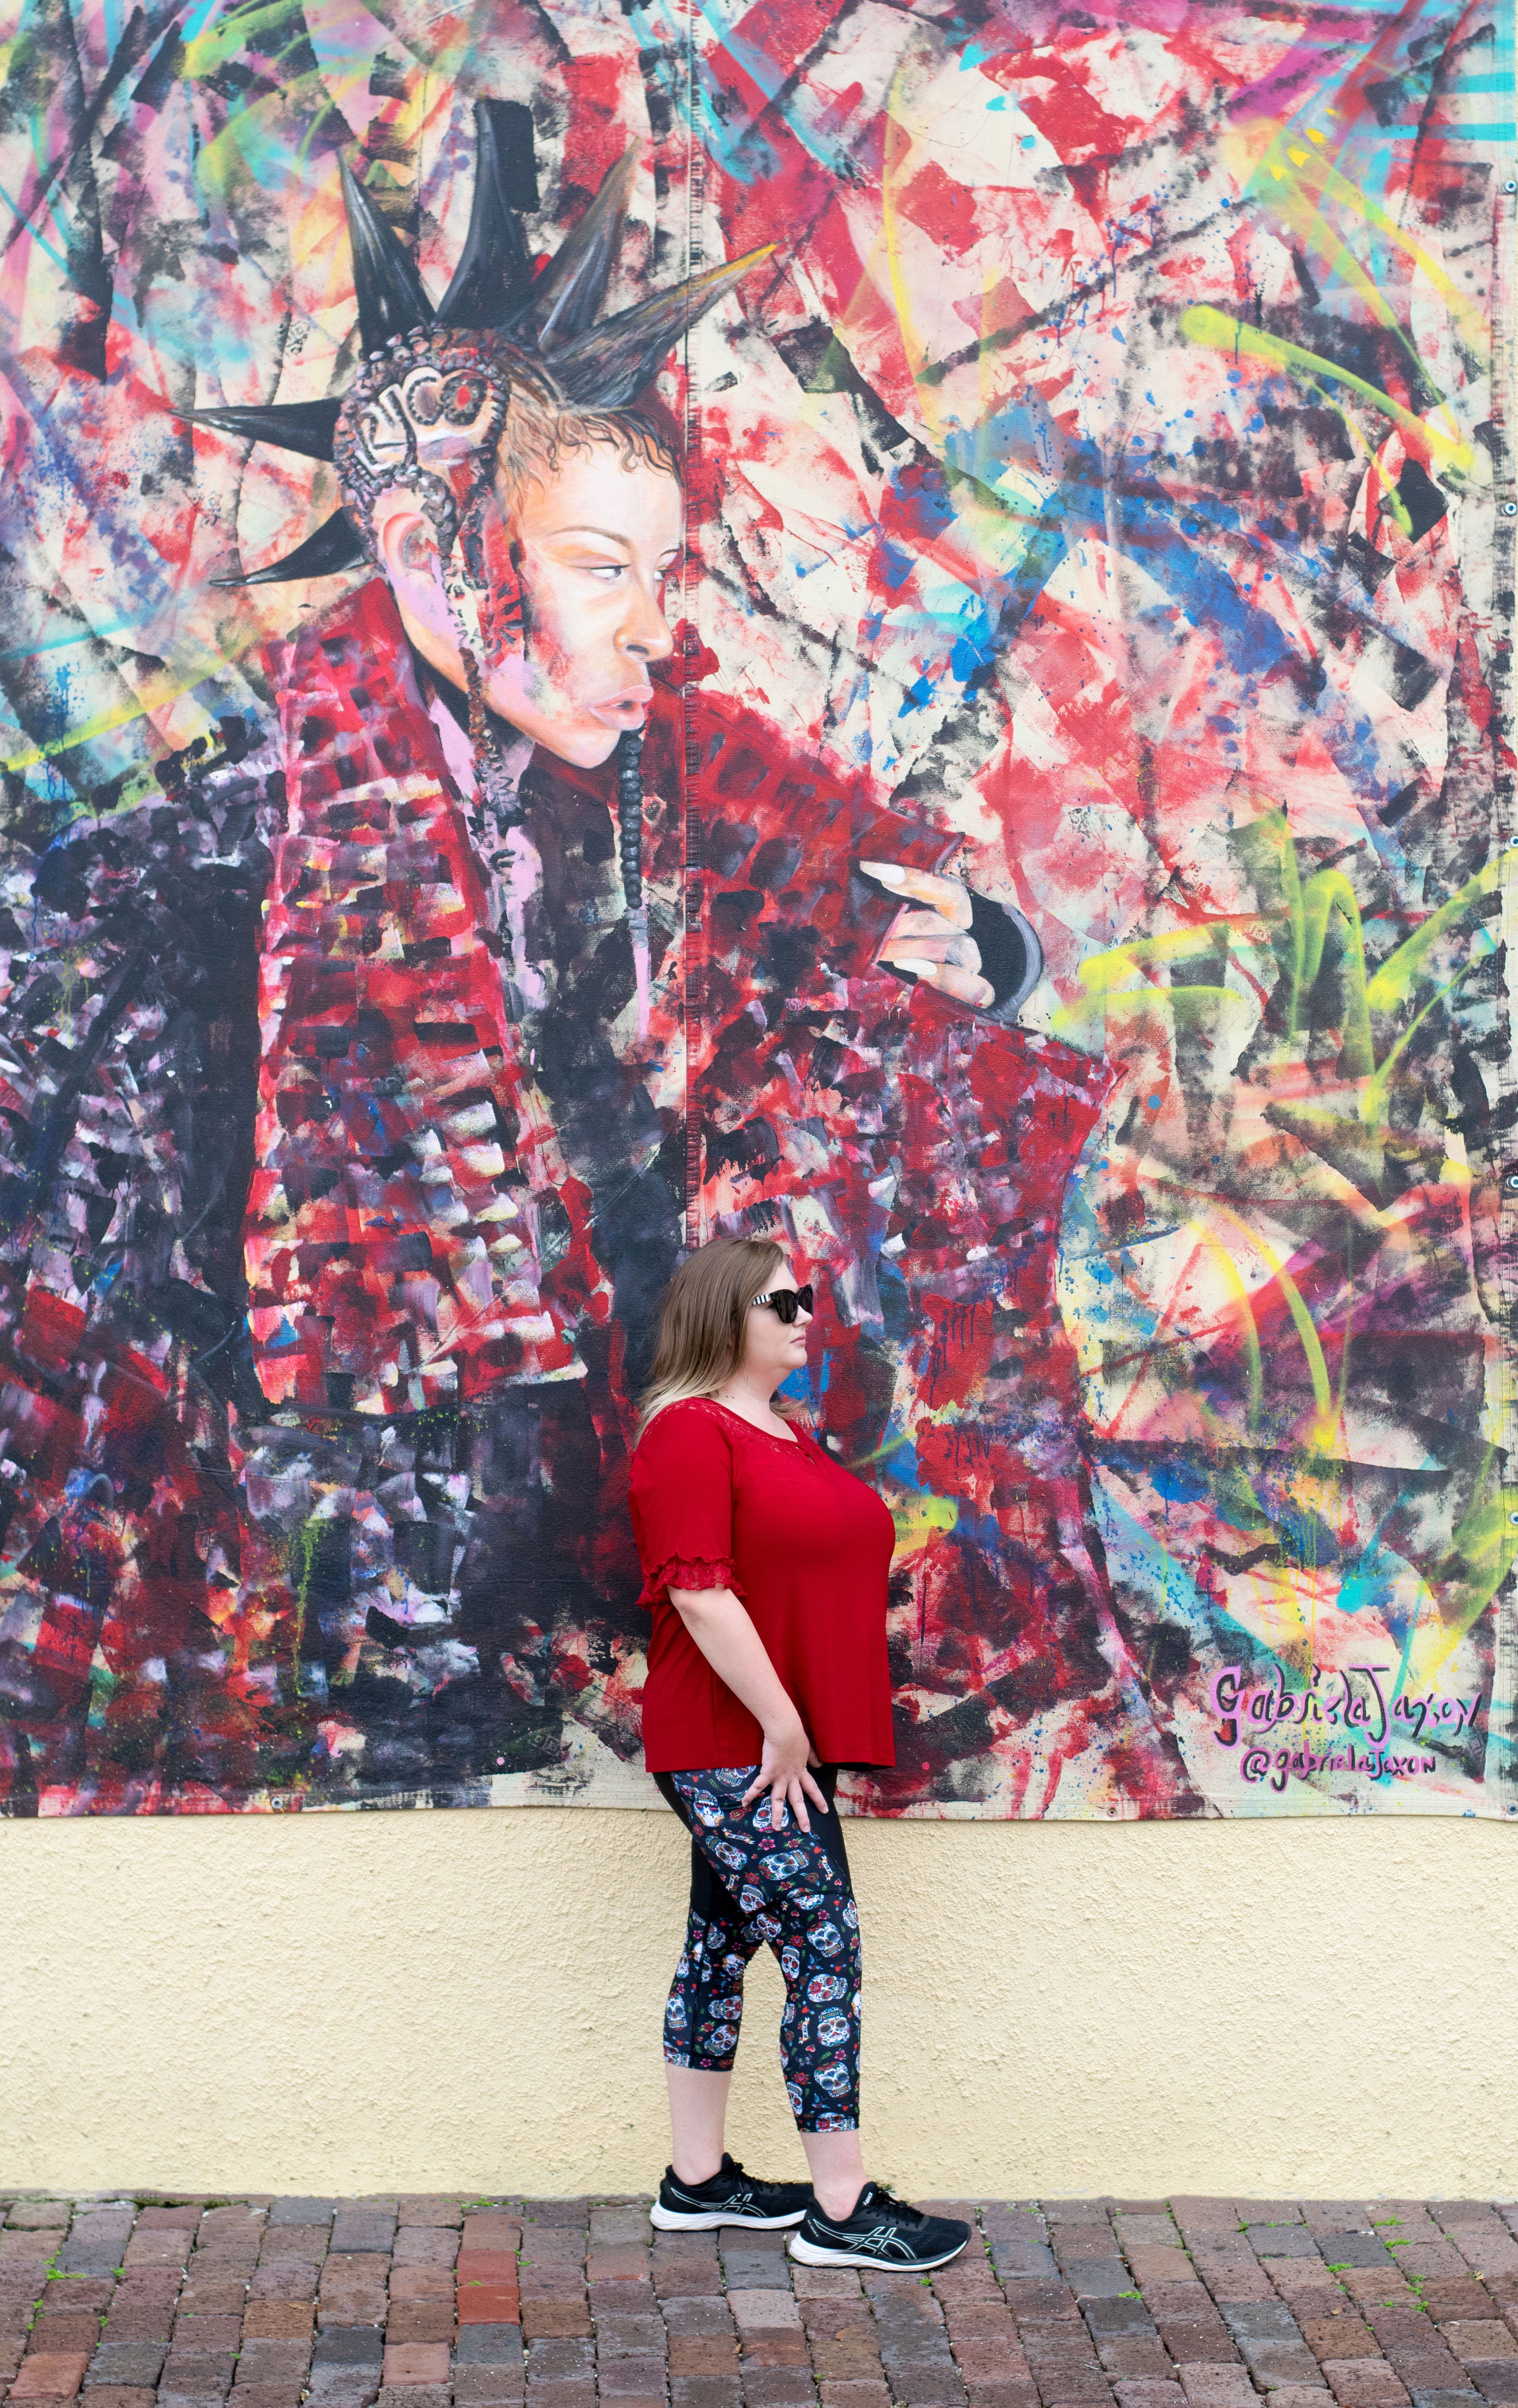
(155, 2301)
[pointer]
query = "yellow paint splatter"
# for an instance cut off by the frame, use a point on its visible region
(1208, 326)
(919, 1520)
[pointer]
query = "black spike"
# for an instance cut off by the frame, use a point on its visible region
(333, 547)
(493, 279)
(304, 426)
(572, 287)
(609, 365)
(392, 300)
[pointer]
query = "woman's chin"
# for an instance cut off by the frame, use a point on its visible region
(584, 743)
(577, 737)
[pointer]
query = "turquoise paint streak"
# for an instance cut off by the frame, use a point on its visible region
(66, 643)
(1137, 1554)
(772, 80)
(739, 152)
(707, 126)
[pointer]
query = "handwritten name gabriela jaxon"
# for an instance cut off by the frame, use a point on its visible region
(1342, 1721)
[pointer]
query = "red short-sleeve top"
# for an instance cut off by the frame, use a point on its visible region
(717, 1503)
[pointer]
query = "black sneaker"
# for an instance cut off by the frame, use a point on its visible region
(731, 2196)
(881, 2231)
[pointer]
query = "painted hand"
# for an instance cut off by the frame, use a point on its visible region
(933, 944)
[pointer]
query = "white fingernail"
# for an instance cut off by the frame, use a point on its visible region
(917, 968)
(887, 872)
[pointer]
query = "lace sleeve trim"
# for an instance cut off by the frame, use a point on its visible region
(688, 1571)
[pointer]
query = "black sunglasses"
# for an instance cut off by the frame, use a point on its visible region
(786, 1302)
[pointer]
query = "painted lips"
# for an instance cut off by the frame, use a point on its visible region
(628, 710)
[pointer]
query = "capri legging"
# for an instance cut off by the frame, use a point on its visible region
(750, 1884)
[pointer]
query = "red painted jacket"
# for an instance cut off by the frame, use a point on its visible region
(394, 1258)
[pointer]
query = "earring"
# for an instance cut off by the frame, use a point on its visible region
(499, 809)
(630, 814)
(630, 848)
(496, 789)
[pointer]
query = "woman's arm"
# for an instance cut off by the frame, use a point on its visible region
(721, 1628)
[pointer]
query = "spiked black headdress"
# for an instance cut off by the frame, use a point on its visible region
(538, 330)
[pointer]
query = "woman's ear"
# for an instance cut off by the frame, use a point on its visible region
(407, 543)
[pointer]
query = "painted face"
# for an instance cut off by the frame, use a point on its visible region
(593, 546)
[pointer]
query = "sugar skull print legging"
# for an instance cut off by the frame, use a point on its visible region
(791, 1888)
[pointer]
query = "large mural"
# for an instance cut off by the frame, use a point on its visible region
(884, 624)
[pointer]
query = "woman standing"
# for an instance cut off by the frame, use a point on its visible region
(766, 1565)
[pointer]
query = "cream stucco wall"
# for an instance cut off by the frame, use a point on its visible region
(413, 2000)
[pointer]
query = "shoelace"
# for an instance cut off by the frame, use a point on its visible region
(886, 2198)
(751, 2183)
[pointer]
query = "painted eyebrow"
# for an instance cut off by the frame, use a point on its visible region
(605, 533)
(606, 536)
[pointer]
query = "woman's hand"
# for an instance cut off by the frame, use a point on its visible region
(718, 1623)
(934, 944)
(782, 1770)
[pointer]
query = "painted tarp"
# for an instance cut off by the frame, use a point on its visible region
(888, 626)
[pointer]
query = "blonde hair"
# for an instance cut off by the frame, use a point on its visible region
(701, 1323)
(540, 428)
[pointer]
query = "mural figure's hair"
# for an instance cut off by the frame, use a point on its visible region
(700, 1341)
(487, 387)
